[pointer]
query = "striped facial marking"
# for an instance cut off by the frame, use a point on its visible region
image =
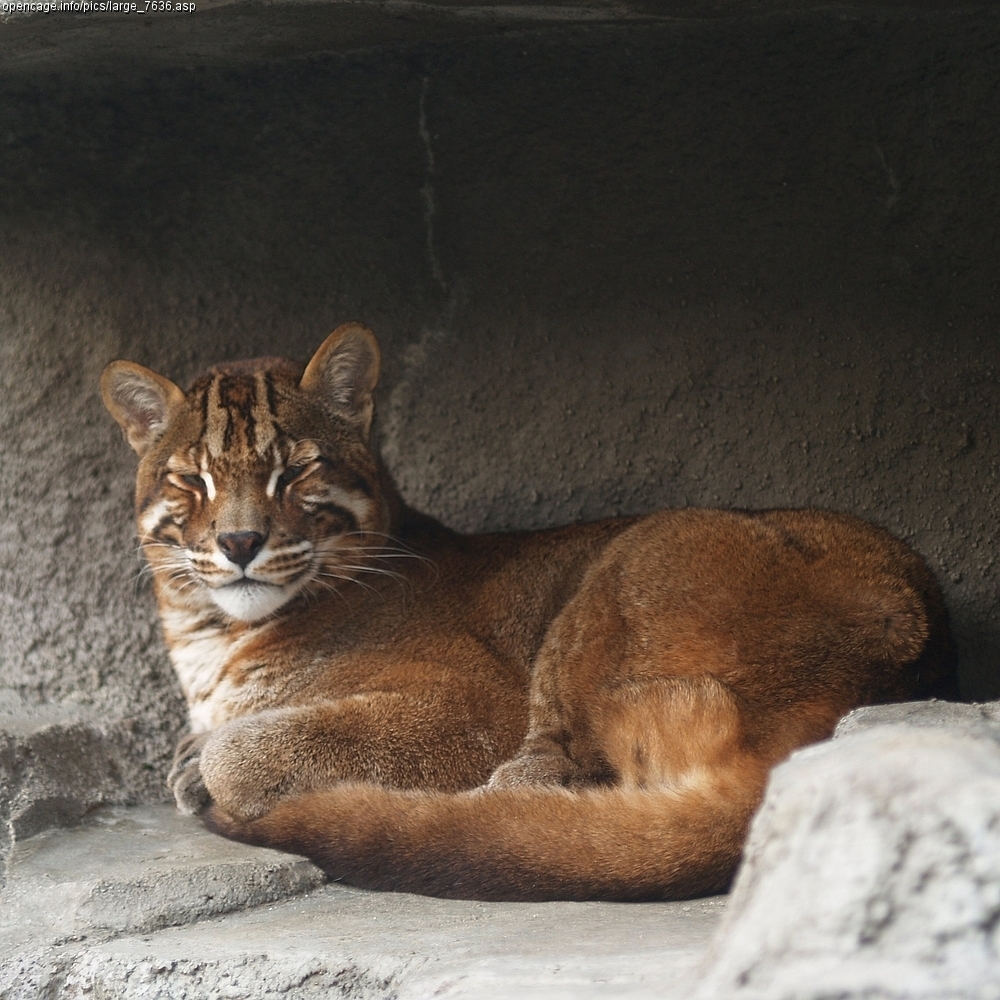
(260, 502)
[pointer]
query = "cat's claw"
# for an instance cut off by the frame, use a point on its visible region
(185, 779)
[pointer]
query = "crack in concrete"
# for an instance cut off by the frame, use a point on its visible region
(890, 202)
(427, 191)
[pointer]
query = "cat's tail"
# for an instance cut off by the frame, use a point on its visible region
(620, 843)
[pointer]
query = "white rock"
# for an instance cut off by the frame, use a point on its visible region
(979, 719)
(872, 870)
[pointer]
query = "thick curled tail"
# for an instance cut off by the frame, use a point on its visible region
(515, 844)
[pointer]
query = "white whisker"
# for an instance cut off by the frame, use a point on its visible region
(348, 579)
(375, 571)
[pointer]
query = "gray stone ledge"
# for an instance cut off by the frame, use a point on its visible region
(59, 761)
(340, 942)
(136, 869)
(86, 912)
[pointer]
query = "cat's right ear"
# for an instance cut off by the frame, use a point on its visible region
(343, 372)
(140, 400)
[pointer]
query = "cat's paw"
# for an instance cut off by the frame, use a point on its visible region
(532, 769)
(185, 779)
(250, 764)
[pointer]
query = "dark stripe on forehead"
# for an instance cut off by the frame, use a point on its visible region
(239, 395)
(272, 402)
(281, 432)
(227, 437)
(204, 410)
(263, 414)
(216, 433)
(232, 398)
(237, 409)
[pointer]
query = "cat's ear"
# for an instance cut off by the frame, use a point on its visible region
(344, 371)
(140, 400)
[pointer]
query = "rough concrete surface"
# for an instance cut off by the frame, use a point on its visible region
(872, 870)
(339, 942)
(84, 912)
(137, 869)
(57, 761)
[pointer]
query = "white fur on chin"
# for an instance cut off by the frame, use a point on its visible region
(249, 600)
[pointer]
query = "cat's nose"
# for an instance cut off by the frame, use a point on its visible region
(240, 546)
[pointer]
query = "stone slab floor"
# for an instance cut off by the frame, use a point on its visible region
(140, 902)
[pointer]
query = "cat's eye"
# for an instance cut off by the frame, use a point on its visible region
(201, 486)
(292, 473)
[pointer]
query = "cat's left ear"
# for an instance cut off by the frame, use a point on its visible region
(344, 371)
(140, 400)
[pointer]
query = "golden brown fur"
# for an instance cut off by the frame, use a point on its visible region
(356, 672)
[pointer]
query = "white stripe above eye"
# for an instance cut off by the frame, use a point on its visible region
(272, 483)
(209, 481)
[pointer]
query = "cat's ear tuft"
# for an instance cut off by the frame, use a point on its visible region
(343, 372)
(140, 400)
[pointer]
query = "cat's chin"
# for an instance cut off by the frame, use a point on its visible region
(250, 600)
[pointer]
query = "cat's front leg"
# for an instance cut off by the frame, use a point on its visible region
(251, 763)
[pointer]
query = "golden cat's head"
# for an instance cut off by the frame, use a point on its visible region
(259, 480)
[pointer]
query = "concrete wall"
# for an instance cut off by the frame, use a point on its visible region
(615, 265)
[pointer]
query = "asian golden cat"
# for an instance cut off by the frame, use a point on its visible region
(582, 712)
